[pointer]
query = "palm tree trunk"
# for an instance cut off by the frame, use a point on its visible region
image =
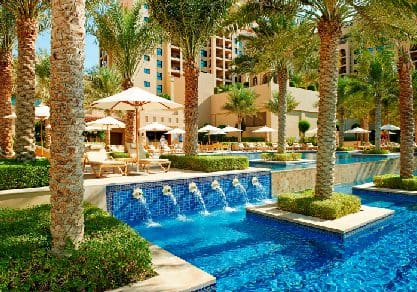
(6, 125)
(378, 121)
(282, 108)
(67, 120)
(239, 126)
(129, 119)
(404, 68)
(342, 127)
(27, 30)
(48, 133)
(191, 73)
(329, 32)
(365, 125)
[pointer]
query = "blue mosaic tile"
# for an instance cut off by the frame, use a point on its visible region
(122, 204)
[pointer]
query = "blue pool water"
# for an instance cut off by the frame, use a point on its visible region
(341, 158)
(257, 255)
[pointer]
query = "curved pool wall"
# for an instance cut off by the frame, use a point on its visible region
(122, 204)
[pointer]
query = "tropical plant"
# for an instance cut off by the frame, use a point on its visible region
(26, 13)
(241, 101)
(189, 24)
(274, 106)
(342, 96)
(280, 44)
(303, 126)
(67, 119)
(101, 82)
(395, 21)
(125, 35)
(7, 40)
(43, 74)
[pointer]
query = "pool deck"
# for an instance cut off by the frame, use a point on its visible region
(342, 226)
(370, 187)
(174, 274)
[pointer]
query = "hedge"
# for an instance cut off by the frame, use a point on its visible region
(290, 156)
(394, 181)
(209, 163)
(19, 175)
(375, 151)
(119, 155)
(112, 254)
(338, 205)
(344, 148)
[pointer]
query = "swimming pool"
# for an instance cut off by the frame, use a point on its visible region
(252, 255)
(341, 158)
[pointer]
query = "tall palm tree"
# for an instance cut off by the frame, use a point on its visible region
(26, 13)
(396, 21)
(330, 16)
(241, 101)
(189, 24)
(101, 82)
(280, 44)
(7, 39)
(125, 35)
(275, 106)
(67, 120)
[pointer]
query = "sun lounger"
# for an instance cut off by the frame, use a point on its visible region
(98, 160)
(146, 163)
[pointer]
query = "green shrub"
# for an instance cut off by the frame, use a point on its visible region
(344, 148)
(289, 156)
(290, 141)
(119, 155)
(253, 139)
(394, 181)
(338, 205)
(112, 254)
(209, 163)
(375, 151)
(19, 175)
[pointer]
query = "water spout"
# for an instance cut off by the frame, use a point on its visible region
(237, 185)
(138, 194)
(259, 188)
(167, 191)
(193, 189)
(215, 186)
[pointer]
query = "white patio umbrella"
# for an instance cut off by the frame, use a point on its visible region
(357, 130)
(265, 130)
(210, 130)
(108, 123)
(155, 127)
(94, 128)
(175, 131)
(229, 129)
(136, 99)
(389, 127)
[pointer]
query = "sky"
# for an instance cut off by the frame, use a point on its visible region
(91, 48)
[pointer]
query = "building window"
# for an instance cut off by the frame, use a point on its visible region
(146, 57)
(146, 19)
(145, 6)
(159, 52)
(146, 119)
(147, 71)
(256, 121)
(154, 119)
(203, 53)
(159, 75)
(177, 120)
(236, 51)
(159, 88)
(255, 81)
(162, 119)
(159, 63)
(236, 41)
(146, 84)
(169, 120)
(203, 64)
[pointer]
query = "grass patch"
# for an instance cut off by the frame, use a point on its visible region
(209, 163)
(375, 151)
(344, 148)
(19, 175)
(112, 254)
(290, 156)
(394, 181)
(338, 205)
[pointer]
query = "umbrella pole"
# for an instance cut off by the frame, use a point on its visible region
(108, 136)
(137, 138)
(41, 139)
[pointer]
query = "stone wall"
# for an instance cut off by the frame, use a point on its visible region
(301, 179)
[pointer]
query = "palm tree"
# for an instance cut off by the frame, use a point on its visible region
(7, 39)
(26, 13)
(124, 34)
(330, 16)
(342, 96)
(67, 120)
(396, 22)
(241, 101)
(101, 82)
(189, 24)
(274, 105)
(279, 45)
